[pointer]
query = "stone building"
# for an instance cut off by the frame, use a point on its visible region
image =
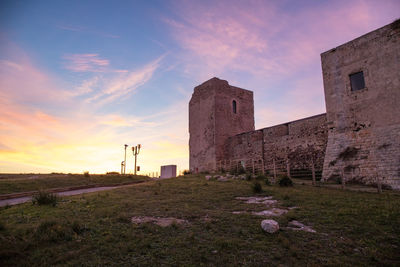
(358, 139)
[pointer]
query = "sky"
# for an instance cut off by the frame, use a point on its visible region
(79, 79)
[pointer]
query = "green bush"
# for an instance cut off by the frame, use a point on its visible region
(285, 181)
(257, 188)
(267, 181)
(45, 198)
(86, 174)
(186, 172)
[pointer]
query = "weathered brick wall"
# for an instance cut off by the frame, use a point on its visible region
(299, 143)
(364, 125)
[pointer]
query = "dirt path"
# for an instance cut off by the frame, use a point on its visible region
(19, 200)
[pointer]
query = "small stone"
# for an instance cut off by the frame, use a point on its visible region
(270, 226)
(298, 226)
(271, 212)
(208, 177)
(238, 212)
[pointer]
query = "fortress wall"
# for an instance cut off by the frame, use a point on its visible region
(305, 143)
(364, 124)
(299, 142)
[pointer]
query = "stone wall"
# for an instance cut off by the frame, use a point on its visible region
(364, 125)
(295, 145)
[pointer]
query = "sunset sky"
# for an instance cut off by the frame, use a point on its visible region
(79, 79)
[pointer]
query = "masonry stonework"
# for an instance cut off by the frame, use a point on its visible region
(364, 125)
(358, 139)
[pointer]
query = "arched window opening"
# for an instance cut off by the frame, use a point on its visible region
(234, 106)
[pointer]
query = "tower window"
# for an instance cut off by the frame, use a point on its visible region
(357, 81)
(234, 106)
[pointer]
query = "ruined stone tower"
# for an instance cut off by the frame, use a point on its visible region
(217, 111)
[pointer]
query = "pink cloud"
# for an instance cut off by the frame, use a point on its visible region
(86, 63)
(260, 38)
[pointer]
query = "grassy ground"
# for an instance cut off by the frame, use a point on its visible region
(353, 228)
(14, 183)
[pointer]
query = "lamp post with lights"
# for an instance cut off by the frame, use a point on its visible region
(135, 151)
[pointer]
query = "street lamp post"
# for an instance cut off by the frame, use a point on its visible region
(135, 151)
(125, 159)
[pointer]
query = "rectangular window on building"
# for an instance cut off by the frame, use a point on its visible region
(357, 81)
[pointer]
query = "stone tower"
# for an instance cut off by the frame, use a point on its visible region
(217, 111)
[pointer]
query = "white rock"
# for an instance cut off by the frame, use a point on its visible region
(270, 226)
(208, 177)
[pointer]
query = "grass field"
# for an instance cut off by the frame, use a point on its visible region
(15, 183)
(353, 228)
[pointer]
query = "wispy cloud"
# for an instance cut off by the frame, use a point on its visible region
(86, 30)
(125, 83)
(85, 63)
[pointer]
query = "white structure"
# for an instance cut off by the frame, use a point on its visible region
(168, 171)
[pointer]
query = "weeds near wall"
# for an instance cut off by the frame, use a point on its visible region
(349, 153)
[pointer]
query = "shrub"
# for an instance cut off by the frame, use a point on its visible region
(248, 177)
(45, 198)
(186, 172)
(2, 227)
(109, 173)
(285, 181)
(267, 181)
(257, 188)
(86, 174)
